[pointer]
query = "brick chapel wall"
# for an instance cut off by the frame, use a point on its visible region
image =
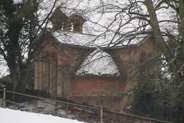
(46, 69)
(97, 86)
(56, 65)
(133, 60)
(70, 59)
(129, 59)
(99, 91)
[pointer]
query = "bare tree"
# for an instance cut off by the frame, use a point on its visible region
(132, 20)
(20, 29)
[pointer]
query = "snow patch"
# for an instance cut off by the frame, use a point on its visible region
(17, 116)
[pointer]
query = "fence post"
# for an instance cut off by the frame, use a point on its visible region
(101, 114)
(4, 97)
(113, 116)
(67, 110)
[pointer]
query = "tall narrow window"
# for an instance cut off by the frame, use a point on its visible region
(72, 27)
(63, 26)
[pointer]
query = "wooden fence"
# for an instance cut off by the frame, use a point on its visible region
(101, 110)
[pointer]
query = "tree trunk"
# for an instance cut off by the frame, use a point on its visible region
(14, 78)
(159, 38)
(181, 27)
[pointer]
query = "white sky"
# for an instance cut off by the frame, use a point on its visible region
(16, 116)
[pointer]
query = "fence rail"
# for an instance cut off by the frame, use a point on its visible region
(100, 109)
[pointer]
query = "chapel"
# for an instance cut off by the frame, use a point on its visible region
(76, 66)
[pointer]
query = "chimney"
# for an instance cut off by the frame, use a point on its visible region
(58, 19)
(74, 23)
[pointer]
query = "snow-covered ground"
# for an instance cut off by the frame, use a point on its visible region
(17, 116)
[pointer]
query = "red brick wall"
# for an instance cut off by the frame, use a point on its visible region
(96, 86)
(99, 91)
